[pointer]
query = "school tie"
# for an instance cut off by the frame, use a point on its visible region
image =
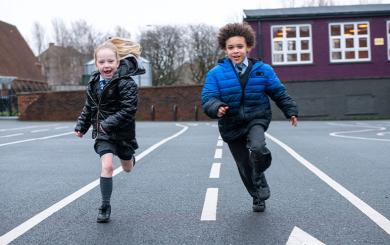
(240, 68)
(102, 84)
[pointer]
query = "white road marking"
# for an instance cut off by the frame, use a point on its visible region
(370, 129)
(27, 225)
(371, 213)
(220, 143)
(209, 212)
(215, 169)
(300, 237)
(33, 139)
(218, 153)
(383, 133)
(219, 137)
(28, 127)
(39, 130)
(62, 127)
(11, 135)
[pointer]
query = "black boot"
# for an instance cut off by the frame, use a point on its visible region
(104, 214)
(258, 205)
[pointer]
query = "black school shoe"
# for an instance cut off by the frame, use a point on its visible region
(104, 214)
(258, 205)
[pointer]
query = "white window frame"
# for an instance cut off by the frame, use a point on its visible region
(388, 39)
(355, 36)
(297, 40)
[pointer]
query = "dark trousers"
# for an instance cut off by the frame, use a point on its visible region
(252, 158)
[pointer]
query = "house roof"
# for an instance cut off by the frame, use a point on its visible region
(16, 57)
(318, 12)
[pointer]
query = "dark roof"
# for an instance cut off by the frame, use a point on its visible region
(16, 57)
(319, 12)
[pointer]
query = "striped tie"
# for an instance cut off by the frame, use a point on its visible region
(102, 84)
(240, 68)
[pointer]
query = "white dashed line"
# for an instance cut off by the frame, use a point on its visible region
(218, 153)
(215, 169)
(209, 212)
(11, 135)
(39, 130)
(220, 143)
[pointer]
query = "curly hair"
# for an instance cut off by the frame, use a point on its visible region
(236, 29)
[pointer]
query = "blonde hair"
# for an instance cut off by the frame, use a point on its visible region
(126, 47)
(107, 45)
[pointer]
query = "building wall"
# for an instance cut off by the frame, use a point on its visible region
(336, 99)
(322, 69)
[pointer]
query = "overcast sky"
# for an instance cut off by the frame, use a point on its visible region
(133, 15)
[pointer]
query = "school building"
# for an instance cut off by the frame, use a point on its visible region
(334, 60)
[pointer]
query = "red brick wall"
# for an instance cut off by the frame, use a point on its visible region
(67, 105)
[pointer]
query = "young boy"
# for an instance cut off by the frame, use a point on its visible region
(236, 93)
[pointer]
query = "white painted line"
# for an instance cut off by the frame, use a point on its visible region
(220, 143)
(215, 169)
(62, 127)
(209, 211)
(39, 130)
(340, 134)
(219, 137)
(28, 127)
(11, 135)
(218, 153)
(33, 139)
(300, 237)
(371, 213)
(27, 225)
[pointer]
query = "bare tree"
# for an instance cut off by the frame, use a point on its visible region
(61, 32)
(120, 31)
(203, 50)
(84, 38)
(38, 33)
(165, 48)
(313, 3)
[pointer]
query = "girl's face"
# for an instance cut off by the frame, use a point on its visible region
(236, 49)
(106, 62)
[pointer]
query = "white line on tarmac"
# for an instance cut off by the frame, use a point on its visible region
(209, 212)
(215, 169)
(371, 213)
(33, 139)
(11, 135)
(219, 137)
(220, 143)
(28, 127)
(218, 153)
(62, 127)
(27, 225)
(39, 130)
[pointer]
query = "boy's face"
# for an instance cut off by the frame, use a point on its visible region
(236, 49)
(106, 62)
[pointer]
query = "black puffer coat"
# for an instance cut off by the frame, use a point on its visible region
(115, 108)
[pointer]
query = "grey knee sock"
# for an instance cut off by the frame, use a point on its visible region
(106, 189)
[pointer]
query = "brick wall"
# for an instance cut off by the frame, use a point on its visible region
(170, 103)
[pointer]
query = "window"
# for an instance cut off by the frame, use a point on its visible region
(349, 42)
(291, 44)
(388, 40)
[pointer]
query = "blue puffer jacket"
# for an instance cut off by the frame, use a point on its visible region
(248, 105)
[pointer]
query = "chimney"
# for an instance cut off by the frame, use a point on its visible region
(51, 45)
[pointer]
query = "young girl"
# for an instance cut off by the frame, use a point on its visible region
(236, 91)
(110, 108)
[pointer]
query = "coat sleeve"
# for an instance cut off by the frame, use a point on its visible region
(277, 92)
(84, 120)
(211, 96)
(128, 99)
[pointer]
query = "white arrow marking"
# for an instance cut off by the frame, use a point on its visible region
(299, 237)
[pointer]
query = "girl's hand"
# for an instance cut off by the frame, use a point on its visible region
(294, 121)
(222, 111)
(78, 134)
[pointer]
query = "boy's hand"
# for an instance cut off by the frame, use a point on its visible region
(222, 111)
(78, 134)
(294, 121)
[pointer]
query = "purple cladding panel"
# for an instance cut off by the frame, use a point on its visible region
(322, 68)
